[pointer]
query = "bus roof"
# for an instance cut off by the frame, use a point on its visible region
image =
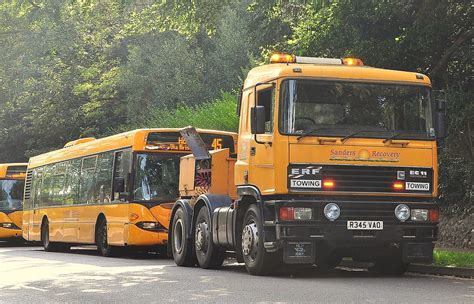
(13, 170)
(270, 72)
(135, 139)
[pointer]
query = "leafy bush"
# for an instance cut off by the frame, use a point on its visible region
(219, 114)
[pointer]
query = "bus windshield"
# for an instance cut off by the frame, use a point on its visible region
(340, 108)
(156, 177)
(11, 194)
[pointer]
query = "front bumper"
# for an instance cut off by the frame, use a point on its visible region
(414, 239)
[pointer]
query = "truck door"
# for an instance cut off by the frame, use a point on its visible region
(261, 160)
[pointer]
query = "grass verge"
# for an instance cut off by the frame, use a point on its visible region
(454, 259)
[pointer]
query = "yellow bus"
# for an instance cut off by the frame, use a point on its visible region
(12, 181)
(114, 192)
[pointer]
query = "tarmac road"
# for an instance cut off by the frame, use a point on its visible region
(30, 275)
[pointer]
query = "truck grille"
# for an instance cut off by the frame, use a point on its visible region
(368, 178)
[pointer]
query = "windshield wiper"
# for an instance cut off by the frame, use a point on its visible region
(392, 137)
(309, 132)
(343, 140)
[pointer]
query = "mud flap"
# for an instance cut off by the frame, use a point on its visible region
(418, 253)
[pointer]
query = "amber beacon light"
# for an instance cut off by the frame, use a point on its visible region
(352, 61)
(282, 58)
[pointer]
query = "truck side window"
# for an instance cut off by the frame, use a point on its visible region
(266, 99)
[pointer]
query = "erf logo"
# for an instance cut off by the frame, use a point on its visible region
(418, 173)
(305, 171)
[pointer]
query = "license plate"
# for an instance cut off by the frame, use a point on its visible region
(299, 249)
(365, 225)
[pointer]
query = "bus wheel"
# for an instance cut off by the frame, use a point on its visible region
(103, 246)
(47, 244)
(208, 255)
(181, 247)
(256, 259)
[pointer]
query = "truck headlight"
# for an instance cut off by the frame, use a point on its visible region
(402, 212)
(303, 213)
(419, 215)
(332, 211)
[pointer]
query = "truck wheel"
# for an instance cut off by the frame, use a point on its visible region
(208, 255)
(102, 242)
(181, 247)
(47, 244)
(256, 259)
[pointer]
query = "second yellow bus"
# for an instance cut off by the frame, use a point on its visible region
(113, 192)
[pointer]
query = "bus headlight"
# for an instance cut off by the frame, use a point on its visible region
(332, 211)
(402, 212)
(153, 226)
(6, 225)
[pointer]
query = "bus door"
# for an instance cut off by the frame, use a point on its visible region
(34, 227)
(118, 227)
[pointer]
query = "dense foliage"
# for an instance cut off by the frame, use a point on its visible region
(72, 68)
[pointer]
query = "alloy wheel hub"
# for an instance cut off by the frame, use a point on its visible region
(201, 240)
(250, 239)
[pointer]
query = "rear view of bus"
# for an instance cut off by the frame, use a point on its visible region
(12, 181)
(113, 192)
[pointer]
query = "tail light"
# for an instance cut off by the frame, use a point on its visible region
(434, 215)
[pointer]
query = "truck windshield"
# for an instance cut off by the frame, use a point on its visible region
(337, 108)
(11, 194)
(156, 177)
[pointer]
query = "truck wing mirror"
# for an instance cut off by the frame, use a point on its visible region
(119, 184)
(257, 119)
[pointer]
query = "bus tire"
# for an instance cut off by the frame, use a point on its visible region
(208, 255)
(102, 242)
(181, 246)
(47, 244)
(257, 260)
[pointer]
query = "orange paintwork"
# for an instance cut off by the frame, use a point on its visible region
(11, 217)
(266, 167)
(77, 223)
(222, 175)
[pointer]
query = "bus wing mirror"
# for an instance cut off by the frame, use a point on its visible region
(119, 184)
(257, 119)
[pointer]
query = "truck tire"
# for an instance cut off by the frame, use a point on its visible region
(102, 242)
(181, 247)
(208, 255)
(257, 260)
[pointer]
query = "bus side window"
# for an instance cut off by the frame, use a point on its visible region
(104, 177)
(121, 175)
